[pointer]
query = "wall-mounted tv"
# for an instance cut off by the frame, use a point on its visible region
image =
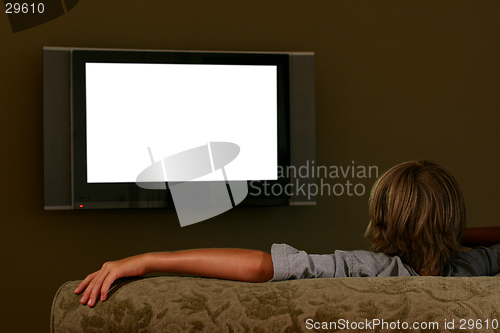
(109, 114)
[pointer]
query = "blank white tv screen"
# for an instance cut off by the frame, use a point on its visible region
(171, 108)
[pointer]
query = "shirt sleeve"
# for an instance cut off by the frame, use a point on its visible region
(479, 261)
(290, 263)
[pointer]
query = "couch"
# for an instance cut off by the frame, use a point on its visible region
(188, 304)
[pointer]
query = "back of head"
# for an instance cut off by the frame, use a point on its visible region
(417, 212)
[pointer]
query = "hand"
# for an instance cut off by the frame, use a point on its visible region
(98, 283)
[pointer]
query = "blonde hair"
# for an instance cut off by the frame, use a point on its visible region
(417, 212)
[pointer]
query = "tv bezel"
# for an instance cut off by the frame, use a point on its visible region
(129, 195)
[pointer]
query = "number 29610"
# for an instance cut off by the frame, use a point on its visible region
(24, 8)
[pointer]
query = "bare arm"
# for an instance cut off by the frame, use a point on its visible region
(229, 264)
(483, 236)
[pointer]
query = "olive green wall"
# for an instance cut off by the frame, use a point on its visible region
(395, 80)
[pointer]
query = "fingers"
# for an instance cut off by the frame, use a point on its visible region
(95, 287)
(83, 285)
(89, 296)
(105, 287)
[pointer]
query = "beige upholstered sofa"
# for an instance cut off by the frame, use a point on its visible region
(184, 304)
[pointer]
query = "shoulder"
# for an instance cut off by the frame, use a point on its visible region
(367, 263)
(478, 261)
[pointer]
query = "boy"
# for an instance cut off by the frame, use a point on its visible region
(417, 218)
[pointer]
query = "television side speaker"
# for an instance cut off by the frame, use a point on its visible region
(302, 124)
(57, 128)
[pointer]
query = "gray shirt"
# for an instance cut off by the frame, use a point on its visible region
(290, 263)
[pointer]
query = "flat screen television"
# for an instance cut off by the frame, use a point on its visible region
(109, 114)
